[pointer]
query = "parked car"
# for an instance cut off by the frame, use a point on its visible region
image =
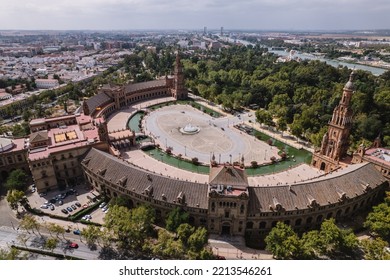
(73, 245)
(69, 209)
(64, 211)
(77, 232)
(73, 207)
(102, 204)
(60, 202)
(44, 206)
(78, 204)
(86, 217)
(52, 207)
(42, 194)
(53, 200)
(105, 208)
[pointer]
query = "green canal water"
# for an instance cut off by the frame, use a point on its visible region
(133, 122)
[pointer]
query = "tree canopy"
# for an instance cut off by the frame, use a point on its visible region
(17, 180)
(378, 220)
(330, 242)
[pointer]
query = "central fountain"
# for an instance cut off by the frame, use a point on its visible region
(189, 129)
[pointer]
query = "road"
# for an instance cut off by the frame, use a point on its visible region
(9, 237)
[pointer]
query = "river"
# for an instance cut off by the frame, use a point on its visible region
(335, 63)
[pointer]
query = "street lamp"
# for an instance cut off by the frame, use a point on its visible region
(185, 150)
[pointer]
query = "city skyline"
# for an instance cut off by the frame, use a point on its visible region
(162, 14)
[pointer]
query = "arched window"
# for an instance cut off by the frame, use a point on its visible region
(319, 219)
(298, 222)
(309, 220)
(329, 215)
(262, 225)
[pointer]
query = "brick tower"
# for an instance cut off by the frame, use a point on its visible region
(335, 143)
(179, 91)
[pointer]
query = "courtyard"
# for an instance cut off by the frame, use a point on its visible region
(216, 136)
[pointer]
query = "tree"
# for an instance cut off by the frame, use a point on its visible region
(184, 231)
(283, 242)
(13, 197)
(282, 124)
(56, 229)
(121, 200)
(197, 240)
(375, 249)
(265, 117)
(167, 246)
(51, 244)
(175, 218)
(330, 242)
(378, 221)
(17, 180)
(23, 238)
(129, 227)
(142, 219)
(11, 254)
(91, 234)
(117, 221)
(29, 223)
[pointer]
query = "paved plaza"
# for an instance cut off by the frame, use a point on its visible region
(216, 136)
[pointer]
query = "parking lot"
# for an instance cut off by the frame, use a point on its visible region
(73, 200)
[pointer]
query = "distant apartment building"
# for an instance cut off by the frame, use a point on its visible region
(46, 83)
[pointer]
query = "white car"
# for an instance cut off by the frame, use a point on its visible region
(44, 206)
(102, 204)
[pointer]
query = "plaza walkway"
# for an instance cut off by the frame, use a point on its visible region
(119, 119)
(233, 248)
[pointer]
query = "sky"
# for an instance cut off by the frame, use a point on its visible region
(286, 15)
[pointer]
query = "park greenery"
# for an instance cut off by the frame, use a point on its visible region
(332, 242)
(300, 96)
(134, 234)
(378, 220)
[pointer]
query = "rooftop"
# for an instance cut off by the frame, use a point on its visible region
(139, 181)
(65, 138)
(7, 145)
(151, 84)
(379, 154)
(228, 175)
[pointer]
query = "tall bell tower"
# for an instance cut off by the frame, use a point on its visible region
(179, 91)
(335, 143)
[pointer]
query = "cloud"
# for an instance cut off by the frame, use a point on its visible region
(256, 14)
